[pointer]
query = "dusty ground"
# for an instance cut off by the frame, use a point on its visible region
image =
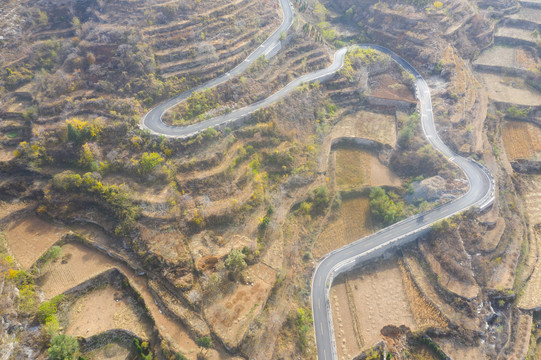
(6, 154)
(510, 90)
(231, 315)
(458, 351)
(30, 237)
(522, 140)
(111, 351)
(352, 222)
(504, 56)
(104, 309)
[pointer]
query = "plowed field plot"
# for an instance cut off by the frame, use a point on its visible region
(511, 90)
(522, 140)
(379, 297)
(532, 199)
(77, 264)
(528, 14)
(368, 125)
(510, 57)
(516, 33)
(30, 237)
(105, 309)
(351, 223)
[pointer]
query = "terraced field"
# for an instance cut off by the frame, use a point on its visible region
(532, 198)
(213, 41)
(522, 140)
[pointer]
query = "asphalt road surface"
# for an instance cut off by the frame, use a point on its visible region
(481, 184)
(480, 194)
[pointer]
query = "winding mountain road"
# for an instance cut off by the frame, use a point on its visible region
(480, 193)
(152, 121)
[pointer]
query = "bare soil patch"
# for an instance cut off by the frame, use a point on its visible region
(510, 90)
(387, 87)
(350, 223)
(510, 57)
(528, 14)
(112, 351)
(105, 309)
(357, 168)
(77, 264)
(7, 153)
(456, 350)
(30, 237)
(522, 140)
(516, 33)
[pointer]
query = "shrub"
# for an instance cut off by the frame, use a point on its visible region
(149, 161)
(63, 347)
(384, 208)
(49, 308)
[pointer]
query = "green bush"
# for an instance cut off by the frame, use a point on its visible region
(49, 308)
(384, 208)
(63, 347)
(149, 161)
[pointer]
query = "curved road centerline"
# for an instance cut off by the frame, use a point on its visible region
(479, 194)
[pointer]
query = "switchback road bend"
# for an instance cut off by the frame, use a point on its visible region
(480, 193)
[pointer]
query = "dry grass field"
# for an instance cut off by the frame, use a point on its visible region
(352, 222)
(368, 125)
(352, 169)
(355, 168)
(467, 288)
(522, 140)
